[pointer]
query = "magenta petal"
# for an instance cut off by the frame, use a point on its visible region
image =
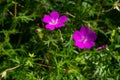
(91, 36)
(79, 44)
(60, 25)
(54, 15)
(89, 45)
(101, 47)
(62, 19)
(84, 30)
(76, 35)
(46, 19)
(50, 27)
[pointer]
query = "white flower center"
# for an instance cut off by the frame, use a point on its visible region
(84, 39)
(53, 21)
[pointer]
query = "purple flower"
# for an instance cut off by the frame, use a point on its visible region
(54, 20)
(84, 38)
(101, 47)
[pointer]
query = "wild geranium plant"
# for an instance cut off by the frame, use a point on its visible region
(29, 50)
(54, 20)
(84, 39)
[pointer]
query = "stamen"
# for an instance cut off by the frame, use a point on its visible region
(54, 22)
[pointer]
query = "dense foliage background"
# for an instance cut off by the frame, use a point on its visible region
(27, 54)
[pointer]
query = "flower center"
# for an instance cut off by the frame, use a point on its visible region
(54, 21)
(84, 39)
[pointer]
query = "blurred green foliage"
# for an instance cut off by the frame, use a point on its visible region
(51, 55)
